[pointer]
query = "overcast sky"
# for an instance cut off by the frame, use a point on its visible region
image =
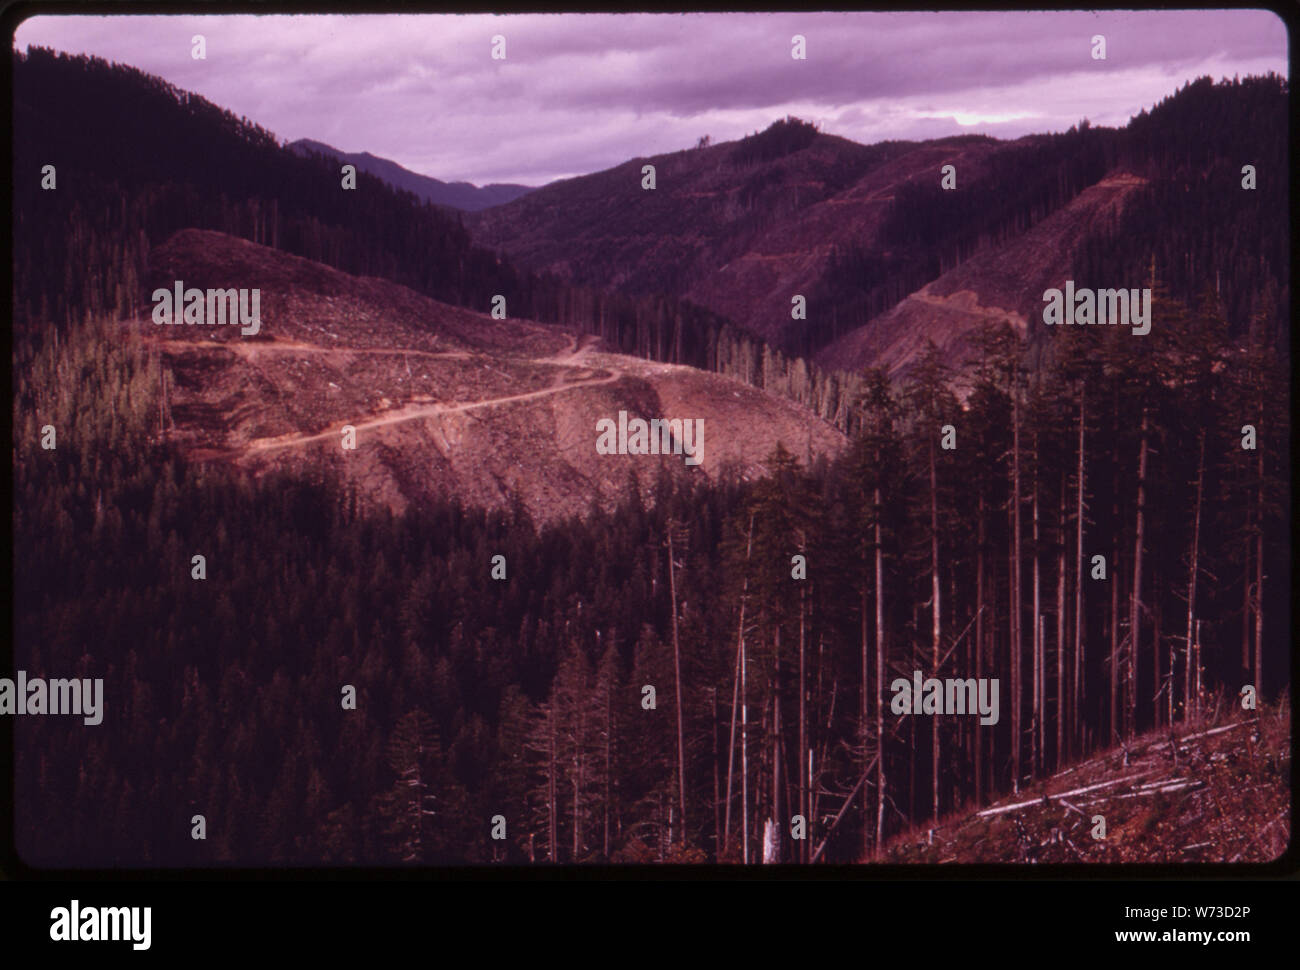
(578, 93)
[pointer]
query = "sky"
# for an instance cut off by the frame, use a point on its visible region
(578, 93)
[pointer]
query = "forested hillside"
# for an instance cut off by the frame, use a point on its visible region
(524, 698)
(1196, 221)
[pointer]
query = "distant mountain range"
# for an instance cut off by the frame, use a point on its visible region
(453, 195)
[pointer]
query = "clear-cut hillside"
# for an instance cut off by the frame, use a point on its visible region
(743, 227)
(738, 227)
(793, 255)
(445, 401)
(1001, 283)
(1214, 790)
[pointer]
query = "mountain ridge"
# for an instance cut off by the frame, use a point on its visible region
(463, 196)
(745, 228)
(742, 228)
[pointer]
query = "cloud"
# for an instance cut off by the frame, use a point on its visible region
(581, 92)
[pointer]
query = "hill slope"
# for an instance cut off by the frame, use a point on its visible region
(444, 401)
(743, 227)
(1215, 792)
(738, 227)
(1001, 283)
(794, 255)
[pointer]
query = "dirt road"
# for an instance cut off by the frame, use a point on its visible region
(250, 351)
(262, 445)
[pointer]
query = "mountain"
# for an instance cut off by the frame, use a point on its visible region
(215, 171)
(744, 227)
(453, 195)
(714, 211)
(445, 402)
(795, 250)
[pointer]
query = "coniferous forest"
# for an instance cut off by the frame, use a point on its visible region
(1102, 539)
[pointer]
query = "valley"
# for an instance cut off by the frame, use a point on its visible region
(397, 546)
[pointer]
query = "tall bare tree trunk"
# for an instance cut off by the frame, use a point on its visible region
(991, 653)
(880, 677)
(979, 648)
(1135, 607)
(677, 667)
(1016, 736)
(1036, 727)
(935, 624)
(1197, 683)
(864, 730)
(1115, 667)
(814, 796)
(802, 760)
(1155, 649)
(1189, 672)
(735, 686)
(959, 787)
(1079, 667)
(1245, 607)
(1259, 570)
(744, 756)
(1060, 630)
(776, 743)
(717, 794)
